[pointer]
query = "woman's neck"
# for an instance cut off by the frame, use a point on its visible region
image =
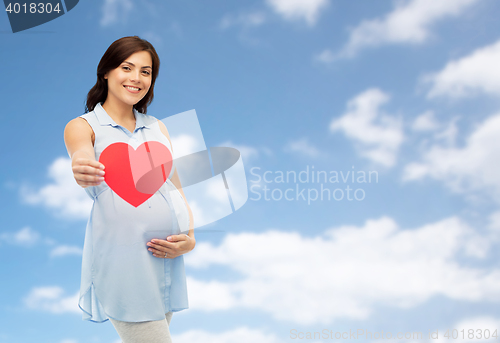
(118, 111)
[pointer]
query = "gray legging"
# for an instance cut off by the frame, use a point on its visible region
(144, 332)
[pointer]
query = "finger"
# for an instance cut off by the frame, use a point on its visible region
(89, 170)
(165, 246)
(176, 238)
(92, 163)
(174, 248)
(156, 251)
(83, 162)
(158, 242)
(162, 255)
(97, 164)
(161, 252)
(88, 178)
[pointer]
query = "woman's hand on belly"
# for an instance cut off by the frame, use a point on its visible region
(176, 245)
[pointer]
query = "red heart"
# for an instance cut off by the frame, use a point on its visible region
(136, 174)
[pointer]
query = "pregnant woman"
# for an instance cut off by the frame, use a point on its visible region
(133, 268)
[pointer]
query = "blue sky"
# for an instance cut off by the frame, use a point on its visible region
(407, 89)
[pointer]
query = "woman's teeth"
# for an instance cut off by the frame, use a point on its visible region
(132, 88)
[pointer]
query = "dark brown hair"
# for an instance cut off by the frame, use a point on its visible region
(118, 52)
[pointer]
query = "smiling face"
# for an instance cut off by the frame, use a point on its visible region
(130, 82)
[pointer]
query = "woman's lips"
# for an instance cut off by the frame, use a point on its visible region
(132, 90)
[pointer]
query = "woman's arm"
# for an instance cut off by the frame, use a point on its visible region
(175, 245)
(177, 183)
(78, 139)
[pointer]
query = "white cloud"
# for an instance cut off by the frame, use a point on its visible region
(208, 200)
(183, 145)
(471, 168)
(472, 74)
(377, 136)
(327, 56)
(63, 250)
(303, 147)
(69, 341)
(307, 10)
(52, 299)
(247, 152)
(346, 272)
(63, 195)
(449, 132)
(240, 335)
(199, 211)
(408, 23)
(425, 122)
(114, 11)
(25, 237)
(222, 295)
(246, 19)
(494, 221)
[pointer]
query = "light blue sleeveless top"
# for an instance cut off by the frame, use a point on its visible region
(121, 279)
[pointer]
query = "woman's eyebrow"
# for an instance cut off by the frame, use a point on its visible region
(134, 64)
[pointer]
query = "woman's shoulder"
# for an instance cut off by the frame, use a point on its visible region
(79, 124)
(80, 121)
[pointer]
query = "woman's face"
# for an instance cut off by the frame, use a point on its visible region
(130, 82)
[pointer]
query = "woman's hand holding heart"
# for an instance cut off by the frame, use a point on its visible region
(86, 171)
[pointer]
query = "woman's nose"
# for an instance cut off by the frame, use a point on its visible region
(134, 78)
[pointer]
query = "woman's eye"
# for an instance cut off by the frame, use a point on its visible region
(147, 72)
(126, 68)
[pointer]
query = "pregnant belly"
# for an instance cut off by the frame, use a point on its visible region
(118, 225)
